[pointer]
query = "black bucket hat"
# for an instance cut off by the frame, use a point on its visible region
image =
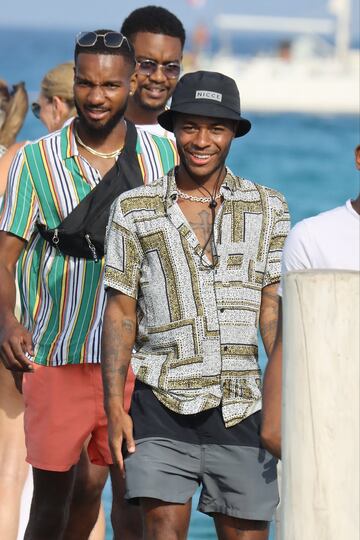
(206, 93)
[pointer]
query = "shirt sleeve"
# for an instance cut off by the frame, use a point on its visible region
(20, 207)
(123, 254)
(279, 233)
(295, 254)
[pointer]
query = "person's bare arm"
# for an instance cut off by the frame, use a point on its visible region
(271, 331)
(269, 314)
(15, 340)
(118, 338)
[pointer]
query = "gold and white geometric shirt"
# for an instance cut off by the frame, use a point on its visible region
(196, 342)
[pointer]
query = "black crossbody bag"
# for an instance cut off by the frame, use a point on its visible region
(82, 232)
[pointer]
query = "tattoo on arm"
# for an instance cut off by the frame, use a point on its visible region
(128, 325)
(117, 343)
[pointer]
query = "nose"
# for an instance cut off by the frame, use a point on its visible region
(158, 75)
(202, 138)
(96, 94)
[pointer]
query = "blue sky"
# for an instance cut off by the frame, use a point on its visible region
(76, 14)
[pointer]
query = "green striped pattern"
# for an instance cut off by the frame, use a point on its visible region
(63, 297)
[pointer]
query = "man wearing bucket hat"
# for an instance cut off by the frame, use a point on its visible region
(191, 270)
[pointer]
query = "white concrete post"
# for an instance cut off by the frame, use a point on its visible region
(320, 466)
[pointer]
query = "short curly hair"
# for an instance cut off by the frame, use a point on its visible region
(153, 19)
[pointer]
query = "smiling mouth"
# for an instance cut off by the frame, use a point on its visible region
(201, 156)
(199, 159)
(155, 91)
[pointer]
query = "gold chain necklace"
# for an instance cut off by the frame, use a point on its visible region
(183, 195)
(105, 155)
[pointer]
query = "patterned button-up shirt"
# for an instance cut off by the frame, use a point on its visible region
(196, 343)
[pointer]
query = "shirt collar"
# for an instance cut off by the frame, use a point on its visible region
(230, 184)
(68, 143)
(170, 190)
(227, 188)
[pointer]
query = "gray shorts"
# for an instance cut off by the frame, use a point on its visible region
(176, 453)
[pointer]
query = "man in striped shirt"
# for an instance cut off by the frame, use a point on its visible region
(57, 344)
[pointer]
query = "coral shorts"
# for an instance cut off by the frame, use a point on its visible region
(63, 410)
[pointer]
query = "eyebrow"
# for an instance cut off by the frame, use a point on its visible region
(79, 78)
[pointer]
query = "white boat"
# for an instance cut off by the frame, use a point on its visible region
(311, 76)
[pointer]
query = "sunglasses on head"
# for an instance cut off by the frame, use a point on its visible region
(35, 109)
(148, 67)
(113, 40)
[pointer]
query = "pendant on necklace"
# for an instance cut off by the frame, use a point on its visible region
(213, 203)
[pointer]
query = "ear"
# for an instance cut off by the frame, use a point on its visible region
(133, 84)
(57, 104)
(357, 157)
(60, 109)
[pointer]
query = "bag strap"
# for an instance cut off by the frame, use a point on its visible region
(124, 175)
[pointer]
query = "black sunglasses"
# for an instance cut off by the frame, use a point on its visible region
(114, 40)
(148, 67)
(35, 109)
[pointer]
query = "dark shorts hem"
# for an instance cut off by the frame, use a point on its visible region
(133, 497)
(214, 508)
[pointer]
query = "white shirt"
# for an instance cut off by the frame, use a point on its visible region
(330, 240)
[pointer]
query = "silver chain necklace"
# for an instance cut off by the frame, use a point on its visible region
(205, 200)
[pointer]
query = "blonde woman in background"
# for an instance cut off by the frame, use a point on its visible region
(54, 107)
(55, 104)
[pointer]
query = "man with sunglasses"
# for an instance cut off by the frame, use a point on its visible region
(57, 346)
(192, 267)
(158, 38)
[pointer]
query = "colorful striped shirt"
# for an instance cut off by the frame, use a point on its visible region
(62, 297)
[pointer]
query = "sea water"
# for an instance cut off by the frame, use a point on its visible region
(308, 158)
